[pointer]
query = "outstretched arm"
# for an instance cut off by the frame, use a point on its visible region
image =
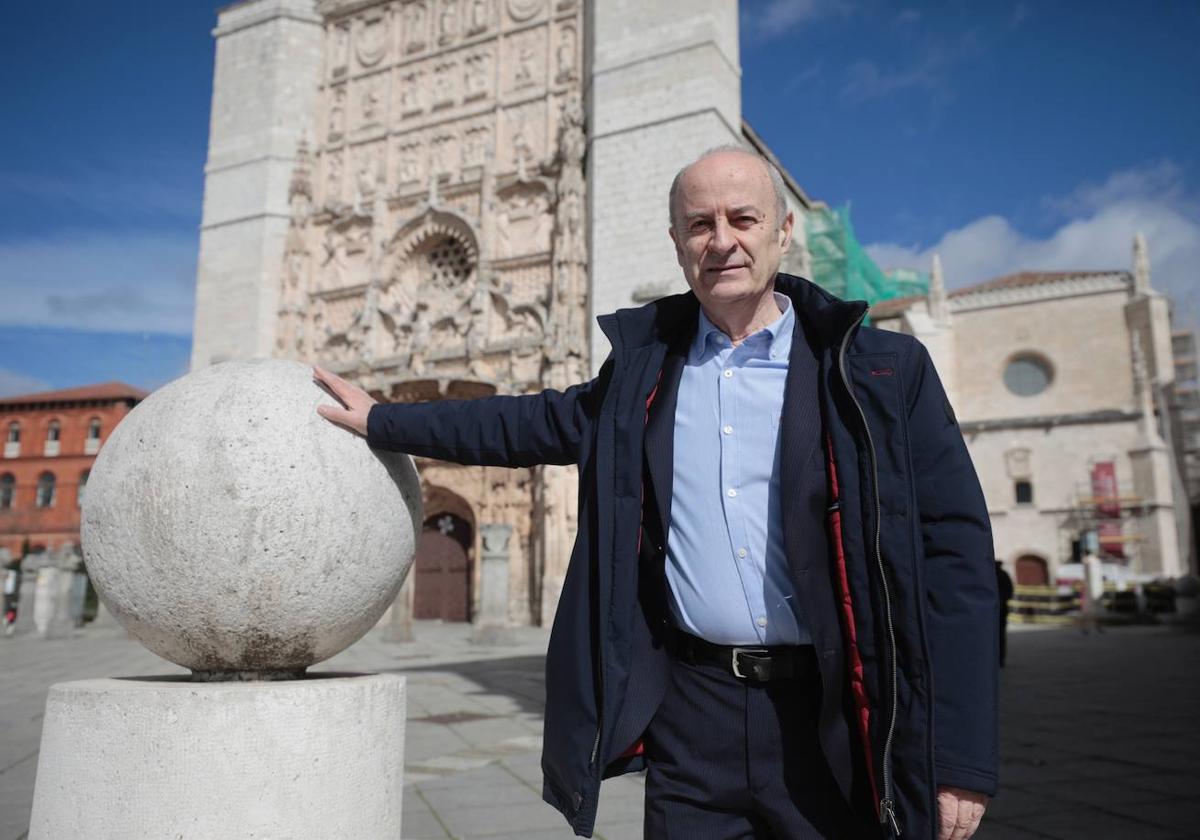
(507, 431)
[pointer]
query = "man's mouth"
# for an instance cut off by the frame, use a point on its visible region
(720, 269)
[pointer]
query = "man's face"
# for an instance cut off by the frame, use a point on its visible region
(727, 239)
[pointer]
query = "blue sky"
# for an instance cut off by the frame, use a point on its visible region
(1004, 136)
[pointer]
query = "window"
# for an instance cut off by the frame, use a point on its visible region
(45, 490)
(8, 488)
(1027, 375)
(14, 432)
(83, 478)
(1024, 492)
(53, 436)
(91, 444)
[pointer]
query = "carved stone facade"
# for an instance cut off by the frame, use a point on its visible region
(438, 242)
(419, 195)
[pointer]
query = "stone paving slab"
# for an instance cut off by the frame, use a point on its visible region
(1099, 733)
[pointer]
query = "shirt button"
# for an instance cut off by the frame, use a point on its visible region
(728, 373)
(731, 492)
(741, 552)
(728, 430)
(762, 621)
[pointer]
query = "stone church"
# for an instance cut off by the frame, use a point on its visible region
(1062, 384)
(435, 198)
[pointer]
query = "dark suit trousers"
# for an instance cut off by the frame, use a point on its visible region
(728, 759)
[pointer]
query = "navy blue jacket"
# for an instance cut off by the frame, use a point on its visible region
(900, 599)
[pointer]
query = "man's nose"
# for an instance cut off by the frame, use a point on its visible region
(723, 241)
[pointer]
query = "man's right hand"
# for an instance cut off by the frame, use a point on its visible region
(357, 402)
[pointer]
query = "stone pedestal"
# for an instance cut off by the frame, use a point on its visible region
(164, 757)
(491, 622)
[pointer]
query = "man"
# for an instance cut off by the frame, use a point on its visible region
(781, 600)
(1004, 590)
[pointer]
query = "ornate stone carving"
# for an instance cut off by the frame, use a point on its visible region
(337, 115)
(372, 41)
(371, 101)
(410, 166)
(524, 222)
(448, 22)
(443, 158)
(411, 93)
(524, 62)
(479, 17)
(567, 352)
(525, 127)
(339, 51)
(368, 173)
(416, 26)
(475, 144)
(333, 178)
(564, 55)
(476, 78)
(444, 78)
(522, 10)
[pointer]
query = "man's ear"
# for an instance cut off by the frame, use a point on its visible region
(785, 231)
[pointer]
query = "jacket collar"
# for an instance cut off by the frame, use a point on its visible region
(824, 316)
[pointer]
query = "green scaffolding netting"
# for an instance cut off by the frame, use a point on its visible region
(842, 266)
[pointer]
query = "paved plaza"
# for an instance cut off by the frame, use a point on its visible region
(1099, 732)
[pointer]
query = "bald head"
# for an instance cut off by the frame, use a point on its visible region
(730, 150)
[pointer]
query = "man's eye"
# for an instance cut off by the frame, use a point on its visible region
(699, 226)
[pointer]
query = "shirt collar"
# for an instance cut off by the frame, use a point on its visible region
(777, 334)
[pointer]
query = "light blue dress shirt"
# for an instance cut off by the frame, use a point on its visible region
(728, 574)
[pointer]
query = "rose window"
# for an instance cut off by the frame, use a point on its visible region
(449, 264)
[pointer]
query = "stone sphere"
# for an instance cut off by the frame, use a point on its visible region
(235, 532)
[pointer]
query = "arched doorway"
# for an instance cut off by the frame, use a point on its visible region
(442, 568)
(1032, 571)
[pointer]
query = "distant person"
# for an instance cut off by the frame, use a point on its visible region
(1091, 598)
(1004, 585)
(12, 594)
(780, 602)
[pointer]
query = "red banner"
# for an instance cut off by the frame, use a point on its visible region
(1104, 489)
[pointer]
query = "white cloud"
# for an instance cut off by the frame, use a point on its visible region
(1098, 223)
(774, 18)
(13, 383)
(110, 282)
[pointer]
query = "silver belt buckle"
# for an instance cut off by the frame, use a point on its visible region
(737, 672)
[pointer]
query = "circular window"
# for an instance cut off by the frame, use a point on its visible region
(1027, 375)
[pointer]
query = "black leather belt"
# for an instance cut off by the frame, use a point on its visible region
(754, 663)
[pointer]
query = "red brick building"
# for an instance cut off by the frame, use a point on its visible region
(50, 441)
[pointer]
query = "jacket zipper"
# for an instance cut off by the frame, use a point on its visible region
(887, 804)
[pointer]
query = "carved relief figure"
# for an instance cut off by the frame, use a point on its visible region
(414, 27)
(474, 146)
(565, 55)
(333, 178)
(443, 84)
(337, 114)
(479, 17)
(371, 101)
(340, 50)
(524, 72)
(475, 80)
(522, 150)
(371, 44)
(409, 168)
(410, 93)
(448, 22)
(442, 155)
